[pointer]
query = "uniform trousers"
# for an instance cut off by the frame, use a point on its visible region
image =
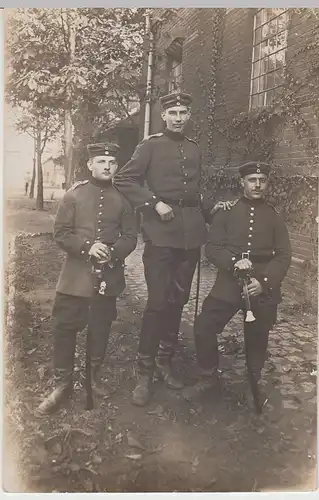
(214, 317)
(168, 273)
(71, 315)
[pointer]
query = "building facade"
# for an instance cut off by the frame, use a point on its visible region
(253, 77)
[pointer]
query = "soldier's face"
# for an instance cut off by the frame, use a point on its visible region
(176, 117)
(254, 185)
(103, 168)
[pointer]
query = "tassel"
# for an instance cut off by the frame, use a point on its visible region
(249, 317)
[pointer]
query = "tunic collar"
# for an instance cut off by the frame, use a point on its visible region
(100, 184)
(175, 136)
(247, 201)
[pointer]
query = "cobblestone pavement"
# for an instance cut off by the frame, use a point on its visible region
(292, 352)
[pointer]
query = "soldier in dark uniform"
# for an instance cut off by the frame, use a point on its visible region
(95, 226)
(251, 236)
(173, 228)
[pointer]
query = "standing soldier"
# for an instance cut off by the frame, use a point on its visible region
(95, 226)
(173, 228)
(251, 237)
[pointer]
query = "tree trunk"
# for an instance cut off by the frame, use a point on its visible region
(68, 135)
(31, 194)
(39, 202)
(68, 129)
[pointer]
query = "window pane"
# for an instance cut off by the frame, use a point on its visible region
(263, 65)
(254, 101)
(264, 48)
(269, 96)
(254, 87)
(259, 18)
(272, 44)
(269, 29)
(271, 63)
(256, 52)
(283, 22)
(279, 77)
(256, 70)
(262, 83)
(280, 58)
(260, 101)
(282, 39)
(257, 36)
(270, 80)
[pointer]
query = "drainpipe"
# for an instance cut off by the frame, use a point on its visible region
(147, 116)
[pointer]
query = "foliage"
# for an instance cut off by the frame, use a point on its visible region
(85, 61)
(107, 55)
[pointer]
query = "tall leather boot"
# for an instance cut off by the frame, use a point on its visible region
(98, 386)
(63, 362)
(100, 338)
(261, 398)
(208, 382)
(164, 369)
(144, 373)
(62, 391)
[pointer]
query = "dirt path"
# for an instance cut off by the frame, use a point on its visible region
(218, 445)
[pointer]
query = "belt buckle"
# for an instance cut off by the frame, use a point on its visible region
(245, 255)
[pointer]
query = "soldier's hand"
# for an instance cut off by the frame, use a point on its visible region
(224, 205)
(164, 211)
(254, 287)
(243, 264)
(100, 251)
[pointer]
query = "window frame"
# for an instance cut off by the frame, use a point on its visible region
(174, 54)
(267, 92)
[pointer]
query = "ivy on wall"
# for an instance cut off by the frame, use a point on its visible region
(254, 134)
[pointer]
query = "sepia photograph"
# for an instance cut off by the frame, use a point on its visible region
(160, 187)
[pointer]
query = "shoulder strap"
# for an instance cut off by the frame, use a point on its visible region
(78, 184)
(159, 134)
(191, 140)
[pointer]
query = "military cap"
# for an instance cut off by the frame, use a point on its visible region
(254, 167)
(175, 99)
(102, 149)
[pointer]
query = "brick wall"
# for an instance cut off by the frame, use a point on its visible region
(233, 81)
(234, 87)
(296, 282)
(292, 152)
(195, 26)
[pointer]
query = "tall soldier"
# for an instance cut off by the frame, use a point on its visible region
(251, 236)
(173, 228)
(95, 226)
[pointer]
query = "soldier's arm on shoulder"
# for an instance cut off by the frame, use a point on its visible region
(215, 249)
(129, 180)
(277, 268)
(126, 243)
(64, 228)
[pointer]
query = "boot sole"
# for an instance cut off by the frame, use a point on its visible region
(44, 410)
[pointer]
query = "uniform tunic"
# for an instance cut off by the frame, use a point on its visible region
(170, 163)
(255, 227)
(90, 212)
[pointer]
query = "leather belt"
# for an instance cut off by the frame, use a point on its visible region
(257, 258)
(182, 203)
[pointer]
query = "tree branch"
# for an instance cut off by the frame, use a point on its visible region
(120, 100)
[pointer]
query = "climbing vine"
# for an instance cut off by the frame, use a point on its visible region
(254, 134)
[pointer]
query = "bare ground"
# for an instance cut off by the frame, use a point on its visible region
(218, 445)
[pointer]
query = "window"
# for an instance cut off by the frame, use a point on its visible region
(174, 65)
(269, 55)
(175, 76)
